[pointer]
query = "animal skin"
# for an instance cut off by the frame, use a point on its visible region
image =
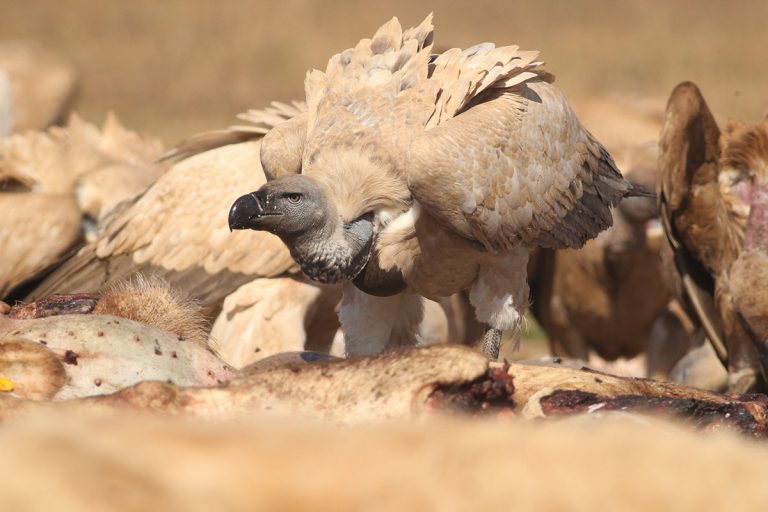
(712, 197)
(435, 172)
(69, 346)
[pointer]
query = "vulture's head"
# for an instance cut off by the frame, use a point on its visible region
(328, 247)
(289, 207)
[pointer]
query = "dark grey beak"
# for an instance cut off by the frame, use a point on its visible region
(244, 210)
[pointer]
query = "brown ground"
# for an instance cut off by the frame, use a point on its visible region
(177, 67)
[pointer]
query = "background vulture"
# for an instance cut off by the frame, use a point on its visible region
(713, 201)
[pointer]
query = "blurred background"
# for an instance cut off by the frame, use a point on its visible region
(177, 67)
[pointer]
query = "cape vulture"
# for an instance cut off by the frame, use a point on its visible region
(421, 174)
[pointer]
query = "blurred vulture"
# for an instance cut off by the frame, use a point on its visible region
(42, 85)
(415, 174)
(623, 123)
(713, 201)
(55, 185)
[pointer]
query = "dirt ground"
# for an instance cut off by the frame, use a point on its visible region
(177, 67)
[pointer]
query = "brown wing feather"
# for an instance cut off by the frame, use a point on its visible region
(178, 230)
(688, 159)
(261, 121)
(283, 147)
(516, 168)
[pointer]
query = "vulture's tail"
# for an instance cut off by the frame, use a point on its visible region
(636, 190)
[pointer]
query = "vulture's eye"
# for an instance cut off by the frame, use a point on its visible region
(294, 198)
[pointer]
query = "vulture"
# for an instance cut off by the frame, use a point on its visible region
(712, 199)
(414, 174)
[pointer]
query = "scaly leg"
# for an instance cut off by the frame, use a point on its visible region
(500, 297)
(491, 343)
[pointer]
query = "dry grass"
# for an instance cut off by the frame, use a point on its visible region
(177, 67)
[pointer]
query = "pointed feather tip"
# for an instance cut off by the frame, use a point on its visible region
(422, 30)
(635, 190)
(426, 24)
(392, 26)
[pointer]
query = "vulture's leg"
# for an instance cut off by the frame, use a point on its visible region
(700, 367)
(500, 297)
(491, 342)
(372, 324)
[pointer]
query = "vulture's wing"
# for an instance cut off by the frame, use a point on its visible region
(687, 195)
(515, 166)
(260, 121)
(706, 196)
(177, 229)
(689, 192)
(61, 159)
(372, 94)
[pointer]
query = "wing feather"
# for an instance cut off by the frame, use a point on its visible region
(177, 229)
(260, 122)
(514, 167)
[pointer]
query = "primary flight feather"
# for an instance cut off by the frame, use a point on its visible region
(429, 174)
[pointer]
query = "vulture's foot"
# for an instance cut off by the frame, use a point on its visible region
(742, 381)
(491, 343)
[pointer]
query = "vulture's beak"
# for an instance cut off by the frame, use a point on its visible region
(245, 209)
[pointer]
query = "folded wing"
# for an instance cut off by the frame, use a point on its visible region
(516, 166)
